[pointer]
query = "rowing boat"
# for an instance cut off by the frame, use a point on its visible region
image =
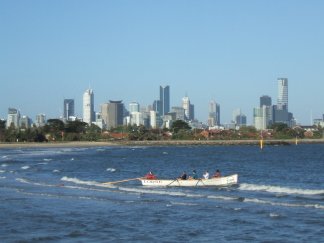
(219, 181)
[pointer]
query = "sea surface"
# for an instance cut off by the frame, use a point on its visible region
(57, 195)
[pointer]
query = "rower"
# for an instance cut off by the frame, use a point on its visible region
(150, 176)
(217, 174)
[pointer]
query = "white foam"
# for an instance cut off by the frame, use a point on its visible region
(111, 169)
(2, 171)
(279, 189)
(274, 215)
(42, 163)
(47, 159)
(77, 181)
(2, 177)
(259, 201)
(222, 198)
(4, 165)
(56, 171)
(25, 167)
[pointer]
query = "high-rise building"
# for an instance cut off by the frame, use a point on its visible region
(88, 106)
(40, 120)
(13, 118)
(112, 113)
(68, 109)
(265, 100)
(239, 118)
(186, 107)
(192, 112)
(134, 107)
(282, 102)
(25, 122)
(179, 113)
(214, 114)
(164, 100)
(153, 119)
(260, 117)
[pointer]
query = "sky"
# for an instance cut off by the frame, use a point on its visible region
(229, 51)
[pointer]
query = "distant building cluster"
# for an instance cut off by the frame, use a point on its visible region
(161, 115)
(267, 114)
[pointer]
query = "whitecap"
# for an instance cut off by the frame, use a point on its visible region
(2, 177)
(72, 158)
(279, 189)
(4, 165)
(2, 171)
(77, 181)
(26, 167)
(47, 159)
(111, 169)
(259, 201)
(274, 215)
(56, 171)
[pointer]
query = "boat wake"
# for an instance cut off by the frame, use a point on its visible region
(279, 189)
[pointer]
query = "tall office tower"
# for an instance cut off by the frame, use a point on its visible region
(134, 107)
(156, 106)
(113, 114)
(68, 109)
(239, 118)
(164, 100)
(265, 100)
(260, 118)
(179, 113)
(88, 106)
(214, 114)
(186, 107)
(25, 122)
(153, 119)
(13, 118)
(192, 112)
(40, 120)
(282, 102)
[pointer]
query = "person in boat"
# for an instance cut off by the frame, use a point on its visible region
(194, 175)
(150, 176)
(206, 175)
(183, 176)
(217, 174)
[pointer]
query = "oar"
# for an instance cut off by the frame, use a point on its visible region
(114, 182)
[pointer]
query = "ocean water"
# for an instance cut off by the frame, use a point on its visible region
(56, 195)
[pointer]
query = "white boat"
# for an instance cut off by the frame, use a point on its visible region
(219, 181)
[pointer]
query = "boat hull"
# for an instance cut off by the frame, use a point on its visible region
(221, 181)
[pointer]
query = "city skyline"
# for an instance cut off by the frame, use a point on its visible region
(232, 53)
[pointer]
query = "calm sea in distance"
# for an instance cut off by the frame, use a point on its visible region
(56, 195)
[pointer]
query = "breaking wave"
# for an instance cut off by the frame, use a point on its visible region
(279, 189)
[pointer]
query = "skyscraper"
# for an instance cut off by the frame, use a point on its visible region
(88, 106)
(113, 113)
(186, 107)
(68, 109)
(40, 120)
(134, 107)
(13, 118)
(265, 100)
(164, 100)
(282, 102)
(214, 114)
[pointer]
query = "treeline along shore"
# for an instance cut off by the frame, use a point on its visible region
(162, 143)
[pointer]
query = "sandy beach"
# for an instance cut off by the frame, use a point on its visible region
(159, 143)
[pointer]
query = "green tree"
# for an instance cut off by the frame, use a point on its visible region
(55, 128)
(179, 125)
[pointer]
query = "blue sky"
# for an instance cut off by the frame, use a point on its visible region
(230, 51)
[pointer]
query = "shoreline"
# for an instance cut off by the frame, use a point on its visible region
(160, 143)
